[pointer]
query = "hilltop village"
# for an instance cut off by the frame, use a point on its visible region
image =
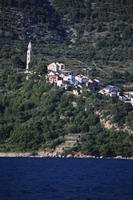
(58, 75)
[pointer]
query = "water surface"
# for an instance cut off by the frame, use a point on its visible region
(65, 179)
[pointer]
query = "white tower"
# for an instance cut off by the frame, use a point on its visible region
(29, 56)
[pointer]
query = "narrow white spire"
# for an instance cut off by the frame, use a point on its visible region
(29, 56)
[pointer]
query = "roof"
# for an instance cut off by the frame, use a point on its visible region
(110, 86)
(129, 92)
(29, 45)
(54, 75)
(52, 64)
(96, 80)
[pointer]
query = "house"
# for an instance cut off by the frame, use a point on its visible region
(67, 78)
(52, 73)
(128, 94)
(70, 78)
(132, 101)
(74, 104)
(77, 91)
(53, 67)
(64, 73)
(113, 94)
(60, 83)
(90, 81)
(61, 66)
(109, 90)
(56, 67)
(65, 85)
(53, 79)
(79, 86)
(94, 84)
(81, 79)
(127, 97)
(123, 99)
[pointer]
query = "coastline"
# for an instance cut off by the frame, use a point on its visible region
(42, 154)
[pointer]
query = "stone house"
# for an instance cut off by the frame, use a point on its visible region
(56, 67)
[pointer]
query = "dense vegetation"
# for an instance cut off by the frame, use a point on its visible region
(96, 36)
(34, 115)
(80, 33)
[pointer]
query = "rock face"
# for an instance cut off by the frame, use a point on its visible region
(13, 154)
(108, 125)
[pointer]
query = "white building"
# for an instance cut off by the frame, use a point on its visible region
(60, 83)
(132, 101)
(56, 67)
(67, 78)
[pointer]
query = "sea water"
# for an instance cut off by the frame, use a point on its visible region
(65, 179)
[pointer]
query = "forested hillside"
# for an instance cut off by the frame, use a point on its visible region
(89, 31)
(36, 116)
(89, 36)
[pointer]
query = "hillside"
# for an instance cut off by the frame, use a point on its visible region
(83, 32)
(92, 37)
(37, 116)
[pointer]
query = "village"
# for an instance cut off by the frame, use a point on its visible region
(59, 76)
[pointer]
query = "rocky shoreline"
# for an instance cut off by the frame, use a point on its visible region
(42, 154)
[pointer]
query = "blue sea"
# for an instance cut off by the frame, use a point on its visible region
(65, 179)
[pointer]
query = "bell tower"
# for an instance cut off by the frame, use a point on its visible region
(29, 56)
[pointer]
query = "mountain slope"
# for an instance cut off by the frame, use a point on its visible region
(90, 37)
(93, 30)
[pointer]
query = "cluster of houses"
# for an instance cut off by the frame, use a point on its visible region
(127, 97)
(59, 76)
(62, 78)
(112, 91)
